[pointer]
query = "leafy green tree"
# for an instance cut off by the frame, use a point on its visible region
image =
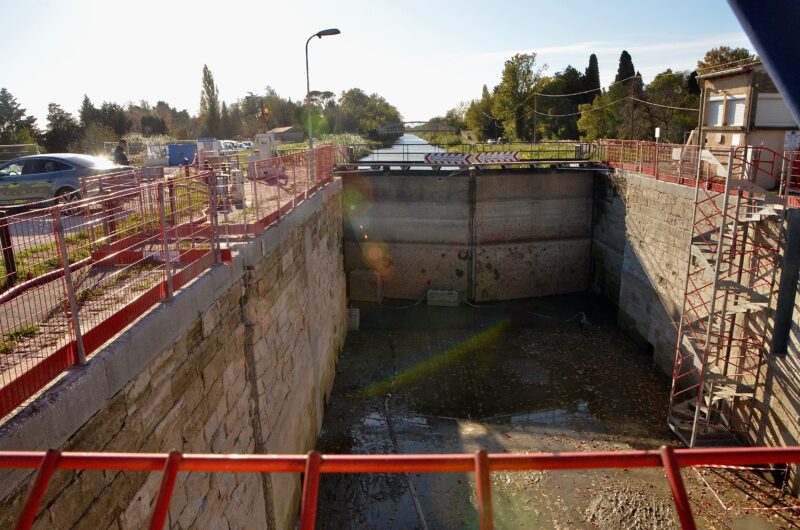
(609, 113)
(363, 113)
(184, 126)
(236, 119)
(163, 111)
(455, 118)
(283, 112)
(479, 117)
(557, 126)
(670, 89)
(152, 125)
(226, 125)
(723, 57)
(88, 113)
(28, 135)
(15, 126)
(115, 118)
(249, 109)
(513, 103)
(209, 105)
(63, 130)
(321, 98)
(94, 136)
(600, 119)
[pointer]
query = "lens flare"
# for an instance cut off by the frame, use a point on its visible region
(354, 200)
(377, 256)
(427, 367)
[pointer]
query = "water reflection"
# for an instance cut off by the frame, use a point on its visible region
(407, 148)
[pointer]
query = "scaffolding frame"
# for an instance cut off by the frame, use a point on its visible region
(730, 280)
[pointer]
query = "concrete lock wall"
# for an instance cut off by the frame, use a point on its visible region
(241, 361)
(492, 235)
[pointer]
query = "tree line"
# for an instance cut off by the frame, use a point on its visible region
(528, 105)
(353, 111)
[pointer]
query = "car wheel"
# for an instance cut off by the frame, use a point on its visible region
(64, 196)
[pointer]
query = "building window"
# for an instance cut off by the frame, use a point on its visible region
(715, 111)
(734, 111)
(771, 111)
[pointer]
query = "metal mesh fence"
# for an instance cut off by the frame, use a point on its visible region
(74, 274)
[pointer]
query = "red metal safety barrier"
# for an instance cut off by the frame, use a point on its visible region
(683, 164)
(279, 184)
(314, 464)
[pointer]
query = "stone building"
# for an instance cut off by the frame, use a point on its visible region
(741, 106)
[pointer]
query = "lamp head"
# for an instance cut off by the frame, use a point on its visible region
(328, 32)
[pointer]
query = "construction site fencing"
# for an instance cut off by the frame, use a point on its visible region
(76, 273)
(272, 187)
(314, 465)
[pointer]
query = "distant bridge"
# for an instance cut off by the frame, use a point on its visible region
(414, 127)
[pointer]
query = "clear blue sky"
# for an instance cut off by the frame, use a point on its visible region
(422, 56)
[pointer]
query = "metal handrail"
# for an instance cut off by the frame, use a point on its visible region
(313, 464)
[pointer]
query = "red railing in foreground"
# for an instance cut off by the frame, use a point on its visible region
(312, 465)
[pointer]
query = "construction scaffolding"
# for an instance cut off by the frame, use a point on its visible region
(734, 252)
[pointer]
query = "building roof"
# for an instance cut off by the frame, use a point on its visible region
(730, 71)
(283, 129)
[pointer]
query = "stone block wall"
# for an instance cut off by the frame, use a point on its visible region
(241, 361)
(640, 249)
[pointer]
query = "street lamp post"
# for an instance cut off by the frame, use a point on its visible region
(311, 161)
(319, 35)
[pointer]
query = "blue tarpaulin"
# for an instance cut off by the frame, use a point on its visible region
(180, 152)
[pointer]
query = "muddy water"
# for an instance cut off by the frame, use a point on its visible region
(550, 374)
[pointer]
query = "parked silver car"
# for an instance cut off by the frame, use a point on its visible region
(54, 176)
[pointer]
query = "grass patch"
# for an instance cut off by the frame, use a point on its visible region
(9, 341)
(92, 293)
(27, 332)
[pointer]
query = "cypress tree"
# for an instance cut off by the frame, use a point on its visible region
(591, 79)
(692, 86)
(625, 69)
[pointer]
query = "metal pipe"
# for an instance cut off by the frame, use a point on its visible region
(162, 211)
(72, 302)
(673, 472)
